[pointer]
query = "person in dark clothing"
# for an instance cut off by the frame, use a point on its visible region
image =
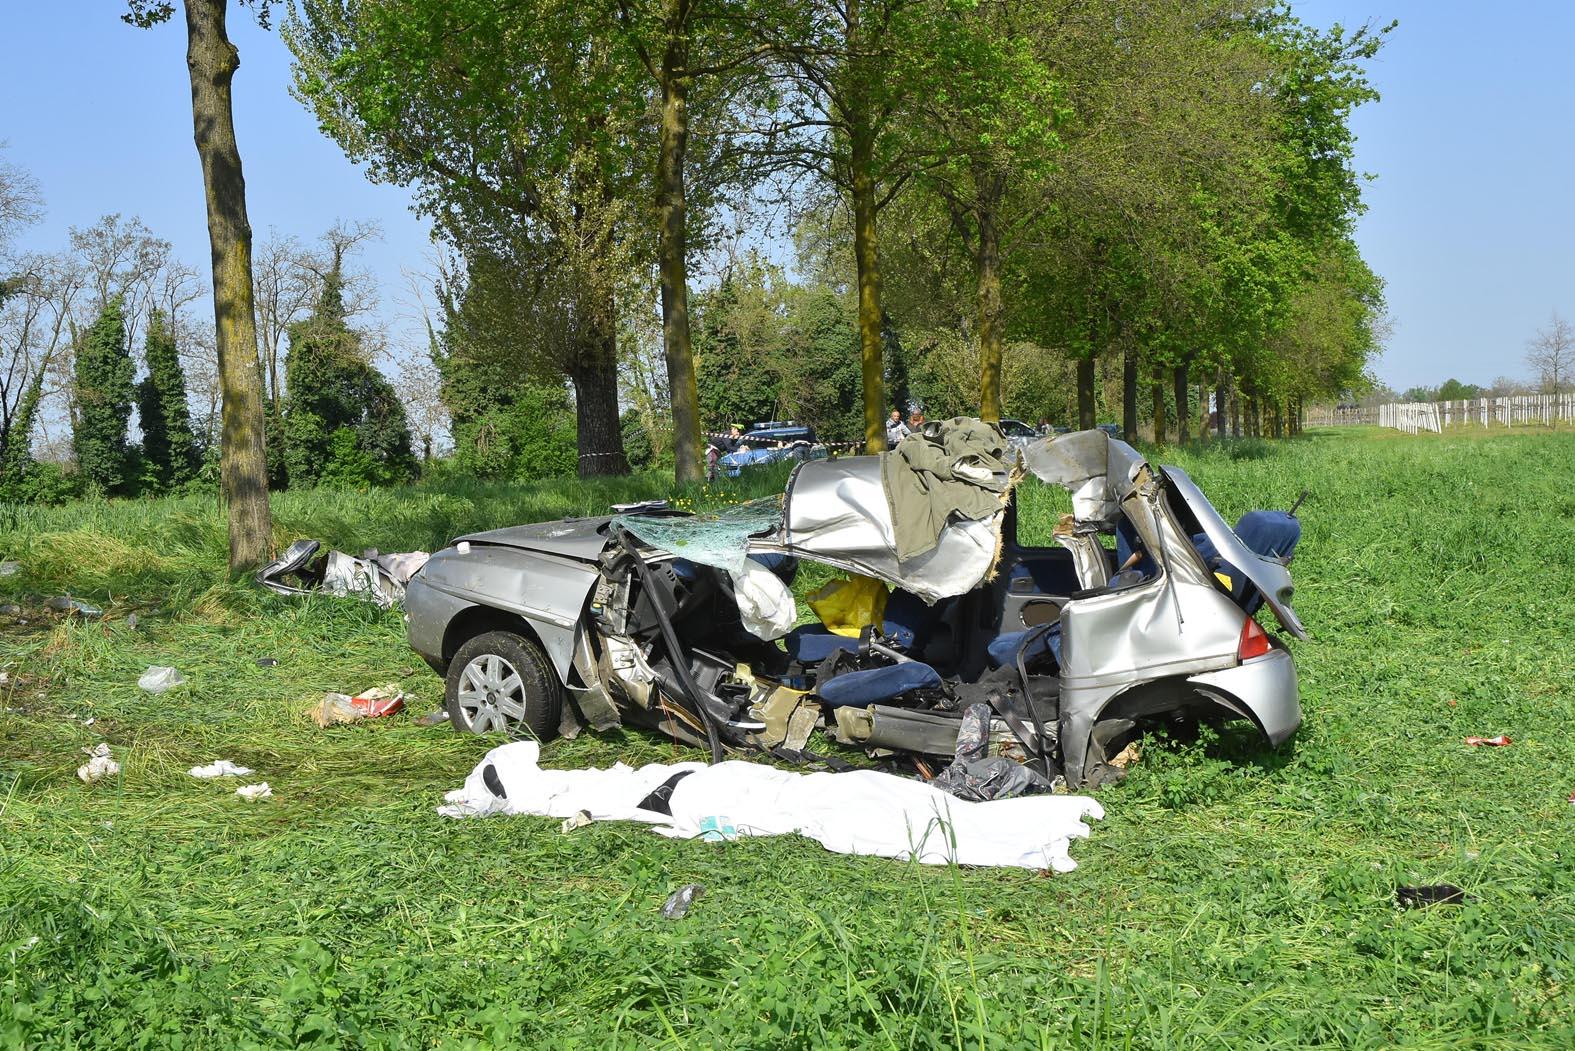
(729, 442)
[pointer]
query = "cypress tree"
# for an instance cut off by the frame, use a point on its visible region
(16, 452)
(104, 388)
(168, 444)
(331, 388)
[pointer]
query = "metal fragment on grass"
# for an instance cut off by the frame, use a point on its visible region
(677, 906)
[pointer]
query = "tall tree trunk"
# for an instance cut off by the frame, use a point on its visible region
(989, 185)
(1085, 392)
(1183, 410)
(1157, 391)
(673, 248)
(595, 378)
(1235, 408)
(1129, 392)
(243, 467)
(865, 239)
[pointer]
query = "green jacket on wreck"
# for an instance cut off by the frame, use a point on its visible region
(953, 467)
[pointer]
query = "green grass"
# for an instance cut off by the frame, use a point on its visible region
(1233, 897)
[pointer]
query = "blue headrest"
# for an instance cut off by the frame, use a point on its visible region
(1271, 534)
(859, 688)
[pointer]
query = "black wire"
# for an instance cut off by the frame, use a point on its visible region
(1028, 698)
(674, 651)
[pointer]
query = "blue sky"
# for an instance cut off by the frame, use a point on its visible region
(1471, 219)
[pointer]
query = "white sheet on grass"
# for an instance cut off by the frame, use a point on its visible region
(859, 812)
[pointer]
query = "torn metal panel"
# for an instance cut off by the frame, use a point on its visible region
(837, 512)
(1096, 469)
(1268, 575)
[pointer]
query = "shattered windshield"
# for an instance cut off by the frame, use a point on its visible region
(719, 538)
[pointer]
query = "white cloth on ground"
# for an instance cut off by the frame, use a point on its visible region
(858, 812)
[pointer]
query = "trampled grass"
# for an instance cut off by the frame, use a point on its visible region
(1233, 896)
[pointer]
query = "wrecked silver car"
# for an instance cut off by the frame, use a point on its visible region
(1142, 612)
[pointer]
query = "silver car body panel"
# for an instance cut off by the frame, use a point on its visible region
(1264, 688)
(578, 538)
(547, 591)
(1269, 575)
(1176, 634)
(836, 512)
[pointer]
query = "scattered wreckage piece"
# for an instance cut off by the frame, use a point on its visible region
(219, 768)
(160, 678)
(373, 577)
(858, 812)
(337, 708)
(677, 622)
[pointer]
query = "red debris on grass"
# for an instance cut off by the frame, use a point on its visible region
(1494, 742)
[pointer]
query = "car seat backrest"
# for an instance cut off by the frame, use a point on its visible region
(1271, 534)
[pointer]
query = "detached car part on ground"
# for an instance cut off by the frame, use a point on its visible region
(681, 623)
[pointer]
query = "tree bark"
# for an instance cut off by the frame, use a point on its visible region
(1183, 409)
(243, 467)
(1129, 393)
(865, 239)
(595, 377)
(673, 263)
(1157, 391)
(989, 185)
(1235, 408)
(1085, 392)
(1203, 411)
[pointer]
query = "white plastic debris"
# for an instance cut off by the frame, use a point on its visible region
(99, 765)
(219, 768)
(158, 678)
(255, 792)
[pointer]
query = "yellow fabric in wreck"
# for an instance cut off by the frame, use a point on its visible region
(847, 606)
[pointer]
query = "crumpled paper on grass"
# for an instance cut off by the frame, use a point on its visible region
(252, 793)
(99, 765)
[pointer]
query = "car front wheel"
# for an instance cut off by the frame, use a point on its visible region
(500, 682)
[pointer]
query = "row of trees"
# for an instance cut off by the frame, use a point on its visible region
(1033, 185)
(73, 392)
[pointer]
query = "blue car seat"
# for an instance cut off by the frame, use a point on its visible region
(1003, 649)
(873, 685)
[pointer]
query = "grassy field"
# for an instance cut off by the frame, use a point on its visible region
(1233, 897)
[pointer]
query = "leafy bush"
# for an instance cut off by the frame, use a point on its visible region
(531, 437)
(43, 483)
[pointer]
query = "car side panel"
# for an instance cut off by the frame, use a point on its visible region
(549, 593)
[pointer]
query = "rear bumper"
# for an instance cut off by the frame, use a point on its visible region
(1262, 689)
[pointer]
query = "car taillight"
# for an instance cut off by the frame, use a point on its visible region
(1254, 641)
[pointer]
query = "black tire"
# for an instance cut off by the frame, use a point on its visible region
(482, 698)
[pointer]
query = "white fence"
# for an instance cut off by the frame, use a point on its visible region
(1508, 411)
